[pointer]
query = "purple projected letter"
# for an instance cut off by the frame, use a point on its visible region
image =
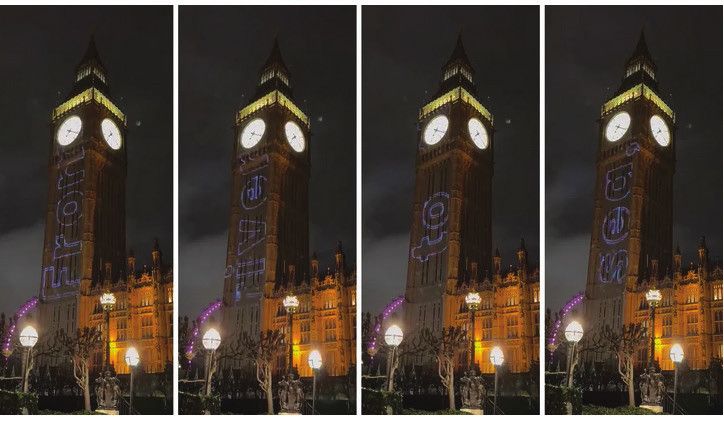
(618, 182)
(612, 267)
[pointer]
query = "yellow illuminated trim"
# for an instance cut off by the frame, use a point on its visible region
(269, 99)
(633, 93)
(90, 94)
(454, 95)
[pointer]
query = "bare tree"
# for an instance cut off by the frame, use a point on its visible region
(262, 352)
(445, 346)
(80, 349)
(625, 344)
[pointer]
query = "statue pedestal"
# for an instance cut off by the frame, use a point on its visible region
(473, 411)
(657, 409)
(289, 413)
(107, 411)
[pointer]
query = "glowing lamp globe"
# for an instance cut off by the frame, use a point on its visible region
(473, 300)
(132, 357)
(108, 299)
(291, 303)
(315, 360)
(653, 296)
(496, 356)
(211, 339)
(676, 353)
(393, 336)
(28, 337)
(574, 332)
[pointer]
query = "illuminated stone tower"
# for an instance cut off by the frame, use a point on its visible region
(451, 215)
(631, 238)
(85, 225)
(268, 243)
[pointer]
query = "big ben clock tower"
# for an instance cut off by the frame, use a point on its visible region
(85, 228)
(451, 216)
(268, 244)
(631, 239)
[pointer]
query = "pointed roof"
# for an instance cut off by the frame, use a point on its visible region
(275, 57)
(642, 50)
(459, 54)
(90, 71)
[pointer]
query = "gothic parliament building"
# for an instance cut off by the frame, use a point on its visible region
(631, 242)
(451, 235)
(268, 247)
(84, 251)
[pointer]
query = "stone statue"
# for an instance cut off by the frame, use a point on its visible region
(107, 391)
(472, 390)
(291, 394)
(651, 383)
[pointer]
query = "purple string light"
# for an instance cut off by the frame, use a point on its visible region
(26, 308)
(203, 317)
(570, 306)
(386, 313)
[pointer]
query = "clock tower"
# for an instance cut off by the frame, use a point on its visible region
(268, 245)
(85, 226)
(631, 240)
(451, 215)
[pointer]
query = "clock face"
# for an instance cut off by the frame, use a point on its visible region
(69, 130)
(294, 135)
(252, 133)
(435, 130)
(618, 126)
(478, 134)
(111, 133)
(660, 131)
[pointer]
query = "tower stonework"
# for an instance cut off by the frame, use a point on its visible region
(84, 252)
(451, 216)
(268, 245)
(85, 225)
(631, 238)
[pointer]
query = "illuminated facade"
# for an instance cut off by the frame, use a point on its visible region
(85, 230)
(690, 311)
(631, 242)
(508, 316)
(268, 246)
(451, 232)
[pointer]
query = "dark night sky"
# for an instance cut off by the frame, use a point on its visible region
(40, 47)
(221, 50)
(586, 50)
(403, 51)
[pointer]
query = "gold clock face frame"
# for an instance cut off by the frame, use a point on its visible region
(618, 126)
(478, 133)
(295, 136)
(435, 130)
(660, 130)
(111, 134)
(252, 133)
(69, 130)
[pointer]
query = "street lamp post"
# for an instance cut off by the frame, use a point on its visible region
(28, 338)
(315, 363)
(473, 302)
(677, 356)
(211, 342)
(132, 359)
(573, 333)
(653, 297)
(108, 300)
(497, 359)
(393, 339)
(291, 305)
